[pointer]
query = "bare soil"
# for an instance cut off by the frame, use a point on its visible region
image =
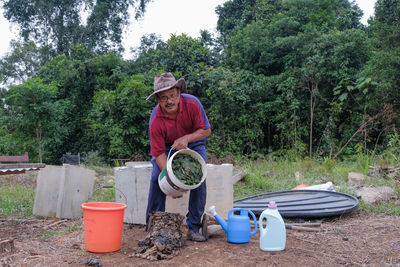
(355, 239)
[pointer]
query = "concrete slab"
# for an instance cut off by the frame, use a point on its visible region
(132, 187)
(133, 182)
(61, 190)
(76, 187)
(47, 189)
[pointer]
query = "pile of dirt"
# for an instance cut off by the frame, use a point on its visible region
(164, 238)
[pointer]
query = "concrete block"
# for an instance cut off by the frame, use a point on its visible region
(137, 163)
(219, 192)
(220, 188)
(76, 187)
(61, 190)
(132, 188)
(47, 189)
(133, 182)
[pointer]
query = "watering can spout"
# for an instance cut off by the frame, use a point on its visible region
(219, 219)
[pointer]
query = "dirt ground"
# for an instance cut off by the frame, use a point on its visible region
(355, 239)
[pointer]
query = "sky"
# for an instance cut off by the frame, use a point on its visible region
(165, 18)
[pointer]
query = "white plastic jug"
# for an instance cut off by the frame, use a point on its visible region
(273, 235)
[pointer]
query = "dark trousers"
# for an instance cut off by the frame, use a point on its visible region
(197, 197)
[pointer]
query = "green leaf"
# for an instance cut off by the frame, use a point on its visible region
(342, 97)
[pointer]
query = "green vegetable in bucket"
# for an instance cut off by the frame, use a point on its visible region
(187, 169)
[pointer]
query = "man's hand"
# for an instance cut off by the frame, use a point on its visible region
(183, 141)
(180, 143)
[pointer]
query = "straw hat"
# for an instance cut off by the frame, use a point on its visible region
(165, 82)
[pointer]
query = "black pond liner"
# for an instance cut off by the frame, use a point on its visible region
(301, 203)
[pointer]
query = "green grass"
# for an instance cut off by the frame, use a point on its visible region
(16, 200)
(72, 228)
(46, 234)
(105, 177)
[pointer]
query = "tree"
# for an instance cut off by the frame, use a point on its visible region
(387, 14)
(181, 55)
(237, 107)
(33, 107)
(59, 24)
(384, 66)
(23, 62)
(328, 59)
(78, 81)
(118, 120)
(234, 14)
(51, 28)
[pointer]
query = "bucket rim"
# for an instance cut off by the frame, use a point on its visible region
(118, 206)
(175, 179)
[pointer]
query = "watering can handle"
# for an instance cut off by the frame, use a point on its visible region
(232, 210)
(252, 215)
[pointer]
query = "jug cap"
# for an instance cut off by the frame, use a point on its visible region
(272, 205)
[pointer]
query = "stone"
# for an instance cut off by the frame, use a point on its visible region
(356, 178)
(373, 195)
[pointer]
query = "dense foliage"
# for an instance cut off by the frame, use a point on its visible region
(290, 77)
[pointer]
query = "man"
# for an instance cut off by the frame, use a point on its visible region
(178, 121)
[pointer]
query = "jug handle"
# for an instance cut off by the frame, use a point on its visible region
(255, 223)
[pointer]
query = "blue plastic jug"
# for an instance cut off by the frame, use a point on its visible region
(237, 228)
(273, 235)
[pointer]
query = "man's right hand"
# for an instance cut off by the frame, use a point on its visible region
(180, 143)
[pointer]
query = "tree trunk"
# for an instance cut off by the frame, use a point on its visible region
(295, 131)
(311, 124)
(314, 88)
(39, 142)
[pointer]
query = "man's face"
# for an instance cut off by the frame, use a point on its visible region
(169, 101)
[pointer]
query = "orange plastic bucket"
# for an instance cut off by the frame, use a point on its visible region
(103, 224)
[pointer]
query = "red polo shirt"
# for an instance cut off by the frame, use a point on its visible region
(163, 130)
